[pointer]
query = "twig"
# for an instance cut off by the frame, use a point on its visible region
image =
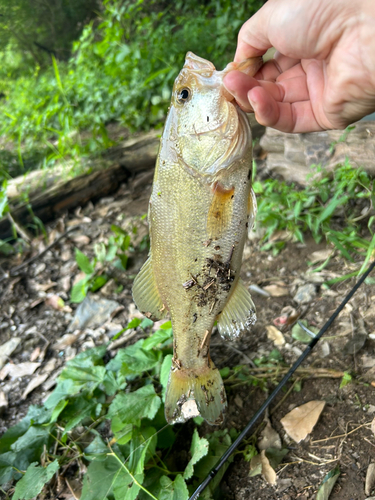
(341, 435)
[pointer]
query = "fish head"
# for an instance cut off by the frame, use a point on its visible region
(210, 132)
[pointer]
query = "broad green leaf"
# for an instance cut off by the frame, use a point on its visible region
(35, 415)
(34, 438)
(100, 478)
(146, 323)
(79, 291)
(134, 406)
(173, 490)
(9, 464)
(84, 262)
(96, 450)
(63, 389)
(219, 442)
(112, 384)
(79, 409)
(198, 450)
(123, 491)
(58, 409)
(34, 480)
(159, 337)
(122, 433)
(142, 447)
(328, 483)
(98, 282)
(134, 359)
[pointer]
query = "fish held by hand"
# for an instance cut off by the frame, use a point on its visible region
(200, 210)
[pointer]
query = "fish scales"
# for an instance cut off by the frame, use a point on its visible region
(200, 209)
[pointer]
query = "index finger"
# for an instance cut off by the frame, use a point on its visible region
(253, 40)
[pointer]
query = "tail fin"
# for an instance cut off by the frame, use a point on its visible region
(192, 393)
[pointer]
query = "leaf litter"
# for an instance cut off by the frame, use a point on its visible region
(300, 422)
(74, 409)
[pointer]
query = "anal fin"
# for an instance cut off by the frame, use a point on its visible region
(146, 295)
(238, 314)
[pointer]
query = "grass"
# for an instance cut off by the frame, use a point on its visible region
(336, 207)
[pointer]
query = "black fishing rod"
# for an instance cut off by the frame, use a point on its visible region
(276, 391)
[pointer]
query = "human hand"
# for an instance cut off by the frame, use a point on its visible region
(323, 73)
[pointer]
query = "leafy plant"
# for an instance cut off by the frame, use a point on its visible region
(111, 417)
(320, 208)
(114, 253)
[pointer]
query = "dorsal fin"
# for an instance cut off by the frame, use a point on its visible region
(197, 63)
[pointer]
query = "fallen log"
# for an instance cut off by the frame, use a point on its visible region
(50, 197)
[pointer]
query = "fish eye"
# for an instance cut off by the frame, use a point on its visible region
(183, 95)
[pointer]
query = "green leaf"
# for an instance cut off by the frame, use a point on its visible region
(135, 405)
(58, 409)
(79, 291)
(134, 359)
(96, 450)
(173, 490)
(146, 323)
(299, 333)
(219, 442)
(327, 484)
(34, 480)
(346, 379)
(159, 337)
(34, 438)
(198, 450)
(83, 262)
(98, 282)
(331, 207)
(100, 478)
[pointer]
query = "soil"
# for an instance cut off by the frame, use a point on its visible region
(343, 433)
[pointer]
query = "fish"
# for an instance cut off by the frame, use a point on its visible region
(200, 209)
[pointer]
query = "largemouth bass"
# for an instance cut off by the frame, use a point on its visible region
(200, 209)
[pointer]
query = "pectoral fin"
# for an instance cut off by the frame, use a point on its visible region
(146, 295)
(238, 314)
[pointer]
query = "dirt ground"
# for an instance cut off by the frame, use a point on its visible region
(343, 433)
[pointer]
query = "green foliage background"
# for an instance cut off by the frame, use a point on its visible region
(121, 69)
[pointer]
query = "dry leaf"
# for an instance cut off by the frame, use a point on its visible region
(261, 465)
(7, 349)
(55, 302)
(50, 365)
(66, 340)
(267, 472)
(370, 479)
(34, 383)
(301, 420)
(269, 438)
(238, 400)
(20, 370)
(35, 354)
(3, 401)
(373, 426)
(275, 335)
(320, 255)
(276, 290)
(80, 239)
